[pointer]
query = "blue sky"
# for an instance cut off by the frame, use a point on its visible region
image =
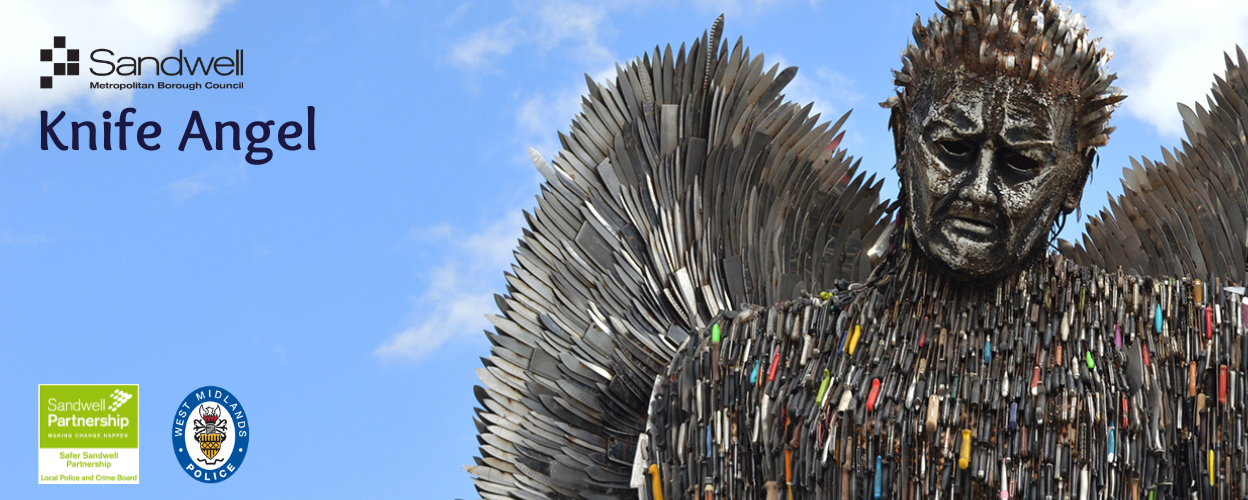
(340, 293)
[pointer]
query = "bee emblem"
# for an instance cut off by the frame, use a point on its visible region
(210, 431)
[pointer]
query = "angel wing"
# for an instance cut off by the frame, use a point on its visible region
(685, 188)
(1185, 215)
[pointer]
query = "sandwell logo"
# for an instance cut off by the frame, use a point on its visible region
(104, 62)
(68, 64)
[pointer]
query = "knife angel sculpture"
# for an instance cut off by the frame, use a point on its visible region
(711, 301)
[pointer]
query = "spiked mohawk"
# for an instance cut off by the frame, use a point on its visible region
(1035, 41)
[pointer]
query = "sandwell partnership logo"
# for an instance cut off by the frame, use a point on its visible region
(66, 62)
(88, 434)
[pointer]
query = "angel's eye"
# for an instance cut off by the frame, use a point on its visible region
(1022, 163)
(956, 149)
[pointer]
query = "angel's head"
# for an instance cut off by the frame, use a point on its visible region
(1000, 108)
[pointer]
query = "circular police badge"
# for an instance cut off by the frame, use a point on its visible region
(210, 434)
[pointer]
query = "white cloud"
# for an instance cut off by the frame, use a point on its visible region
(540, 27)
(185, 189)
(457, 14)
(735, 8)
(580, 23)
(1167, 51)
(576, 27)
(831, 91)
(137, 28)
(481, 48)
(210, 179)
(8, 239)
(461, 288)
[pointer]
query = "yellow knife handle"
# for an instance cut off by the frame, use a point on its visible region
(654, 481)
(965, 461)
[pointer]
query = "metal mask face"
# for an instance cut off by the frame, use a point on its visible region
(988, 164)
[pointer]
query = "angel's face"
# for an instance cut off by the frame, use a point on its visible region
(988, 164)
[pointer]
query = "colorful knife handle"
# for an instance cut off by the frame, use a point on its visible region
(965, 460)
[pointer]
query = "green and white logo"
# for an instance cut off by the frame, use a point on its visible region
(88, 434)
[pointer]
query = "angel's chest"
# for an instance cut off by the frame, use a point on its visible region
(1086, 393)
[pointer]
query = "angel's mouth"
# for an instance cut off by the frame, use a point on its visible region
(973, 227)
(971, 222)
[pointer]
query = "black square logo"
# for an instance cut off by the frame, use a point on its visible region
(67, 68)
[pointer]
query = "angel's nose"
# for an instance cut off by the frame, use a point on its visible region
(978, 186)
